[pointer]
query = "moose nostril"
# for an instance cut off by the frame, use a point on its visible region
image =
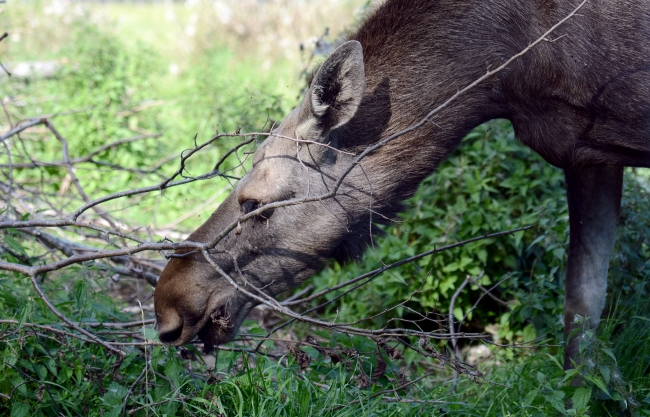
(250, 205)
(170, 335)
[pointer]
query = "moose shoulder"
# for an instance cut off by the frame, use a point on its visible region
(580, 99)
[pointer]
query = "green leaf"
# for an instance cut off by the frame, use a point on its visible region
(581, 398)
(617, 397)
(41, 371)
(556, 401)
(530, 397)
(113, 412)
(458, 313)
(115, 393)
(530, 333)
(571, 373)
(9, 357)
(20, 409)
(80, 292)
(597, 382)
(25, 312)
(172, 371)
(609, 353)
(51, 365)
(150, 334)
(605, 372)
(19, 383)
(171, 408)
(14, 245)
(558, 395)
(464, 261)
(534, 242)
(104, 309)
(518, 236)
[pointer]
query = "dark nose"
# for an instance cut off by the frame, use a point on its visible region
(170, 335)
(170, 328)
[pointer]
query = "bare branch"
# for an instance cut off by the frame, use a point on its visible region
(85, 158)
(67, 321)
(378, 271)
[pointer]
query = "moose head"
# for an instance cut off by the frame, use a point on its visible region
(281, 247)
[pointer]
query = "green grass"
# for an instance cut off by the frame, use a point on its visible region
(75, 378)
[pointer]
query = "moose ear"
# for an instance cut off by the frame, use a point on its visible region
(337, 88)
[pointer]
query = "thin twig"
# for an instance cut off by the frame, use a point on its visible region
(344, 327)
(378, 271)
(452, 326)
(86, 158)
(66, 320)
(128, 393)
(388, 391)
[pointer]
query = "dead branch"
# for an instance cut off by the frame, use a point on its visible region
(70, 248)
(376, 272)
(343, 327)
(67, 321)
(86, 158)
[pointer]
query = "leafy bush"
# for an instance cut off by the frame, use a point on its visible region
(48, 373)
(491, 183)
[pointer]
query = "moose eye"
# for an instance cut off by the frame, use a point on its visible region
(250, 205)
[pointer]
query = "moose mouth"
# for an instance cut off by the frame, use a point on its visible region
(219, 329)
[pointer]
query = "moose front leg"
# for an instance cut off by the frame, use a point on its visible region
(594, 196)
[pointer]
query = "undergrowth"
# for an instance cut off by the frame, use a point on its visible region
(46, 374)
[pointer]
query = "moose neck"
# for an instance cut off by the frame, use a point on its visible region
(416, 56)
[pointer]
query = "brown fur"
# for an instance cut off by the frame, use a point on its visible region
(581, 100)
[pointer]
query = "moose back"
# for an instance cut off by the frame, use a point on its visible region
(580, 98)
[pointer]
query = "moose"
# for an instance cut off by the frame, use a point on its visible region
(580, 98)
